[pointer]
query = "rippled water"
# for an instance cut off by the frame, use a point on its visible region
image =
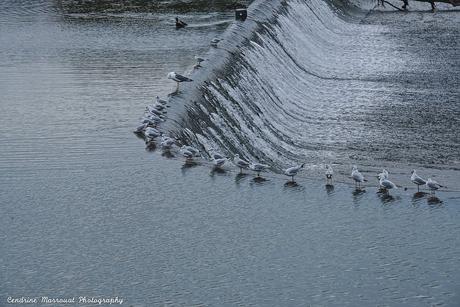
(86, 211)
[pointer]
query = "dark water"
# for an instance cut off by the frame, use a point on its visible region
(86, 211)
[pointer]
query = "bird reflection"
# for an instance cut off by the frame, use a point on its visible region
(188, 165)
(329, 189)
(433, 200)
(293, 186)
(217, 170)
(358, 194)
(259, 179)
(150, 146)
(239, 177)
(386, 198)
(167, 154)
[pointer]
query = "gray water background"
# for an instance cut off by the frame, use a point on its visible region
(86, 211)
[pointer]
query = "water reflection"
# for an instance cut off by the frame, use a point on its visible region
(293, 186)
(167, 154)
(386, 198)
(358, 195)
(150, 146)
(330, 189)
(188, 165)
(239, 177)
(258, 181)
(433, 201)
(217, 170)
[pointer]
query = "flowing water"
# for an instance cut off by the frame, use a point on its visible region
(86, 211)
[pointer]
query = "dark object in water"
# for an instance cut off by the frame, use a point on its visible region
(180, 23)
(432, 2)
(241, 14)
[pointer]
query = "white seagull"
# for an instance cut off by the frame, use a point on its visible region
(151, 132)
(258, 167)
(167, 142)
(199, 60)
(187, 154)
(215, 41)
(384, 174)
(178, 78)
(357, 176)
(416, 179)
(141, 128)
(387, 184)
(219, 162)
(240, 162)
(161, 101)
(154, 111)
(292, 171)
(433, 185)
(191, 149)
(329, 174)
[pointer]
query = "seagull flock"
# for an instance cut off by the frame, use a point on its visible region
(154, 115)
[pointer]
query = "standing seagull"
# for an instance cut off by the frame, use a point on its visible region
(219, 162)
(257, 167)
(199, 60)
(161, 101)
(384, 174)
(329, 174)
(292, 171)
(416, 179)
(357, 177)
(191, 149)
(240, 162)
(180, 23)
(387, 184)
(433, 185)
(178, 78)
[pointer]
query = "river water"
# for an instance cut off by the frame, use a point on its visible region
(87, 211)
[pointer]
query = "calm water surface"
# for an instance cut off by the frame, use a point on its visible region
(86, 211)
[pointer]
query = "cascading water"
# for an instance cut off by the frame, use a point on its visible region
(319, 82)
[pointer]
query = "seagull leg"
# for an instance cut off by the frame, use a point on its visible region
(177, 86)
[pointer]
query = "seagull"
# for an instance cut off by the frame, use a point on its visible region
(214, 154)
(329, 174)
(180, 23)
(219, 162)
(158, 106)
(416, 179)
(167, 142)
(178, 78)
(387, 184)
(258, 167)
(240, 162)
(384, 174)
(187, 154)
(199, 60)
(161, 101)
(215, 41)
(141, 128)
(152, 119)
(151, 132)
(433, 185)
(153, 110)
(191, 149)
(292, 171)
(357, 176)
